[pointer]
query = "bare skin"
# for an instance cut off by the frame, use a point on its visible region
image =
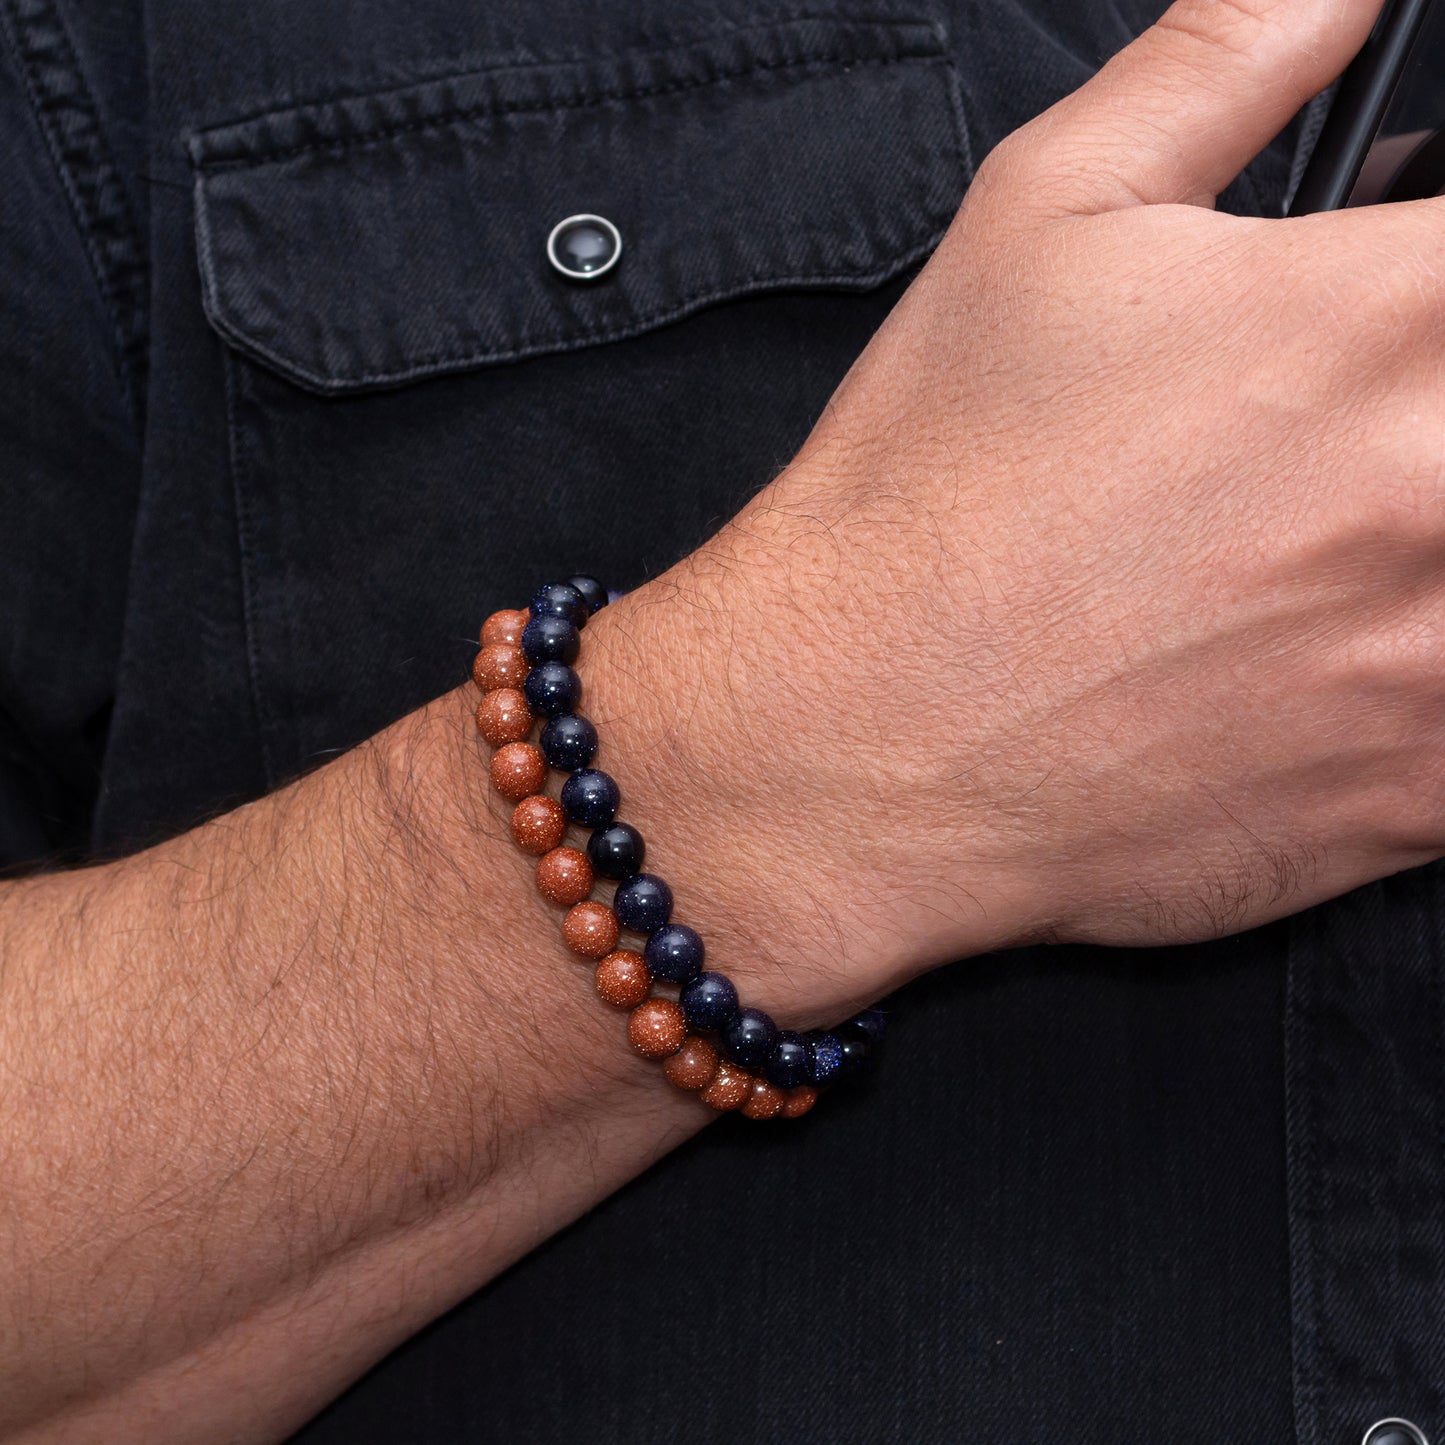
(1103, 604)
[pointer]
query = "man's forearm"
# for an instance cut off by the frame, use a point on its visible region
(275, 1093)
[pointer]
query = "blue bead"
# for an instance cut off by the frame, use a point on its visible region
(561, 599)
(569, 742)
(787, 1065)
(590, 797)
(674, 952)
(748, 1039)
(825, 1058)
(870, 1026)
(857, 1054)
(710, 1001)
(552, 688)
(550, 639)
(643, 904)
(594, 594)
(616, 851)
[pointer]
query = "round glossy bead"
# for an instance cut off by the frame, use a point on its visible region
(517, 770)
(538, 824)
(643, 903)
(594, 594)
(590, 928)
(505, 626)
(729, 1087)
(590, 797)
(870, 1026)
(856, 1055)
(503, 716)
(675, 953)
(710, 1001)
(622, 979)
(656, 1028)
(560, 599)
(693, 1065)
(748, 1038)
(797, 1102)
(825, 1059)
(787, 1065)
(616, 851)
(500, 665)
(552, 688)
(564, 876)
(570, 742)
(764, 1100)
(550, 639)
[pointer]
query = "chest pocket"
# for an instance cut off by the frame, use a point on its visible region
(368, 241)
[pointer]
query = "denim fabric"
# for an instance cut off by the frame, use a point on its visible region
(290, 400)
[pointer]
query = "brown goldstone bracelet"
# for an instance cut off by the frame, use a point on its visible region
(732, 1057)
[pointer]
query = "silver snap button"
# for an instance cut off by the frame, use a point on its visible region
(584, 248)
(1394, 1432)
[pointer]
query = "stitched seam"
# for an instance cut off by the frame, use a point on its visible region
(69, 120)
(428, 364)
(601, 97)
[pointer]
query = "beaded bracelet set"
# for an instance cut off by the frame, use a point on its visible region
(732, 1057)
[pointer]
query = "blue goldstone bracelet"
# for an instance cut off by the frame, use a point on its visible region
(733, 1057)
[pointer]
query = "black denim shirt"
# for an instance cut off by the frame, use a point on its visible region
(289, 400)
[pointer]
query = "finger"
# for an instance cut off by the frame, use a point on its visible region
(1176, 115)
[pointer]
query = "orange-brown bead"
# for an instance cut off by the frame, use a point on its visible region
(564, 876)
(505, 627)
(693, 1065)
(656, 1028)
(622, 979)
(518, 769)
(728, 1089)
(590, 929)
(503, 716)
(797, 1102)
(764, 1100)
(500, 665)
(538, 823)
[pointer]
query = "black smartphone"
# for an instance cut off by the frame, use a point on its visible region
(1384, 136)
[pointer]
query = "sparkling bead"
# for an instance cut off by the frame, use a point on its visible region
(590, 928)
(552, 688)
(564, 876)
(787, 1065)
(570, 742)
(550, 639)
(503, 716)
(505, 626)
(710, 1001)
(500, 665)
(656, 1028)
(594, 594)
(590, 797)
(764, 1100)
(693, 1065)
(560, 599)
(675, 953)
(798, 1101)
(518, 769)
(748, 1037)
(616, 851)
(643, 903)
(857, 1054)
(825, 1058)
(538, 823)
(729, 1087)
(622, 979)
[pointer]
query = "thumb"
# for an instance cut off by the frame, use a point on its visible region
(1176, 115)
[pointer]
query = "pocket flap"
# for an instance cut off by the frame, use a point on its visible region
(367, 241)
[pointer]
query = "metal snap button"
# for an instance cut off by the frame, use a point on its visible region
(1394, 1432)
(584, 248)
